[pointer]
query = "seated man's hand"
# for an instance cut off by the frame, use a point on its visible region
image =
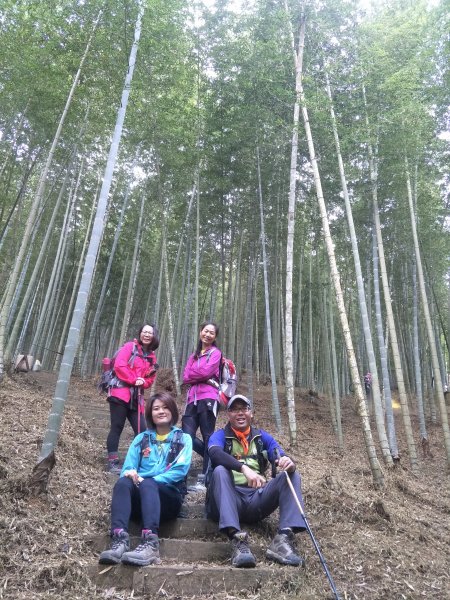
(254, 479)
(286, 464)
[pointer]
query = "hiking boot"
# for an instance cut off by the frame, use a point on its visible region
(120, 543)
(114, 466)
(147, 553)
(242, 556)
(200, 485)
(282, 550)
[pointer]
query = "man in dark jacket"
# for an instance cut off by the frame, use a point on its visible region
(239, 490)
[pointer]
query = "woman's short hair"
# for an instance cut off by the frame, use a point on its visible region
(155, 340)
(168, 399)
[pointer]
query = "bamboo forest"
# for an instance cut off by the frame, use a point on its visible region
(279, 168)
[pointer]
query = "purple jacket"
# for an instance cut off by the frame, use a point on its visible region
(198, 370)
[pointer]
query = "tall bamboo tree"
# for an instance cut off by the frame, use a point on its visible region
(56, 413)
(288, 349)
(429, 328)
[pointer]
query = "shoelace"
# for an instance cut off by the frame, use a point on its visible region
(289, 540)
(288, 544)
(146, 544)
(242, 546)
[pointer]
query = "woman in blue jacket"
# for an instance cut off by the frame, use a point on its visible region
(151, 483)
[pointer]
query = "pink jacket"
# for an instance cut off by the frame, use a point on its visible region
(141, 366)
(197, 371)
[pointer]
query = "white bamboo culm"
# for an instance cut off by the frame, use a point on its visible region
(377, 473)
(62, 385)
(275, 402)
(439, 390)
(376, 391)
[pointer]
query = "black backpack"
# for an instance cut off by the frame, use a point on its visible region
(109, 378)
(261, 454)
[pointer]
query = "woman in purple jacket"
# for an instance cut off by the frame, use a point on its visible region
(135, 370)
(201, 373)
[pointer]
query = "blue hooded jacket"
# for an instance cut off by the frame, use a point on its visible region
(153, 461)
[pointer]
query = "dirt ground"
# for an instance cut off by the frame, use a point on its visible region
(389, 544)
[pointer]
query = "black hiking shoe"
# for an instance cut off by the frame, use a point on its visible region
(282, 550)
(147, 553)
(242, 556)
(120, 543)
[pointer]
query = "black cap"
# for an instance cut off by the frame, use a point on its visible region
(238, 397)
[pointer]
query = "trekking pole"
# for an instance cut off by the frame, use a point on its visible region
(308, 528)
(140, 411)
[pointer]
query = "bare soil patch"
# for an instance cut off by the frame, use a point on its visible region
(390, 544)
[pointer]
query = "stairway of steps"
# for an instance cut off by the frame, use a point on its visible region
(96, 414)
(195, 558)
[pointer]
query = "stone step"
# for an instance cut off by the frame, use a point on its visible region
(193, 524)
(191, 580)
(95, 412)
(188, 528)
(99, 430)
(125, 442)
(177, 550)
(192, 511)
(96, 419)
(181, 528)
(87, 404)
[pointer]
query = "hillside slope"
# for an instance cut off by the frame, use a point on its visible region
(391, 544)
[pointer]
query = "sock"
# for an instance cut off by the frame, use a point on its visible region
(113, 456)
(285, 530)
(145, 532)
(118, 531)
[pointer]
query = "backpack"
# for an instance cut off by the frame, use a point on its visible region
(261, 454)
(227, 380)
(176, 446)
(109, 378)
(261, 457)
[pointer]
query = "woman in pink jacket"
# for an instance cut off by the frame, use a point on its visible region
(202, 374)
(135, 371)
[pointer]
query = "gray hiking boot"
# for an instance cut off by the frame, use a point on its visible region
(120, 543)
(242, 556)
(147, 553)
(114, 467)
(199, 485)
(282, 550)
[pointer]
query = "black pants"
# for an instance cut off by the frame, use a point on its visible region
(149, 503)
(200, 415)
(119, 412)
